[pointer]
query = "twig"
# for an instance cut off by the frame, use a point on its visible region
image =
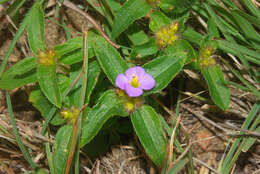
(256, 172)
(164, 107)
(72, 6)
(125, 161)
(201, 117)
(82, 99)
(247, 132)
(181, 156)
(256, 3)
(205, 165)
(73, 146)
(53, 109)
(83, 107)
(172, 139)
(202, 22)
(97, 167)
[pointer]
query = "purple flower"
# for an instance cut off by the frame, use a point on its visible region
(134, 81)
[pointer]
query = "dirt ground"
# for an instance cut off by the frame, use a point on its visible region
(209, 142)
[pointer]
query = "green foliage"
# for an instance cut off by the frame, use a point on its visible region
(61, 148)
(65, 78)
(107, 106)
(149, 130)
(217, 86)
(20, 74)
(159, 20)
(48, 83)
(93, 74)
(164, 69)
(35, 29)
(3, 1)
(109, 59)
(128, 13)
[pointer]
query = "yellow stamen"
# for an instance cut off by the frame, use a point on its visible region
(134, 83)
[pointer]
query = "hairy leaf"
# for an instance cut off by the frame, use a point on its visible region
(128, 13)
(109, 59)
(218, 89)
(20, 74)
(164, 69)
(148, 128)
(107, 106)
(47, 80)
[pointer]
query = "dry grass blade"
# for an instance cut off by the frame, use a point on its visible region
(172, 140)
(91, 20)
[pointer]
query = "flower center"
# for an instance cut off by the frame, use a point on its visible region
(134, 83)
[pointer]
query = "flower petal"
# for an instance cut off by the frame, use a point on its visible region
(121, 80)
(133, 92)
(147, 82)
(137, 70)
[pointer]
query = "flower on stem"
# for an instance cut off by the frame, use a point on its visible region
(129, 103)
(206, 57)
(167, 35)
(70, 114)
(47, 58)
(134, 81)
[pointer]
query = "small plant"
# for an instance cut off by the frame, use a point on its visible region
(147, 44)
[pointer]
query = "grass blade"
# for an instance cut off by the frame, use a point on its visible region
(233, 153)
(16, 133)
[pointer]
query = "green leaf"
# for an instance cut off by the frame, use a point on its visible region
(218, 89)
(144, 50)
(136, 35)
(128, 13)
(74, 46)
(114, 5)
(249, 141)
(182, 46)
(217, 20)
(12, 45)
(75, 56)
(48, 83)
(159, 20)
(20, 74)
(237, 147)
(61, 148)
(104, 8)
(3, 1)
(255, 21)
(236, 49)
(35, 28)
(164, 69)
(252, 8)
(13, 9)
(107, 106)
(69, 46)
(192, 36)
(176, 168)
(97, 5)
(248, 30)
(16, 133)
(177, 3)
(109, 59)
(212, 29)
(148, 128)
(40, 102)
(93, 74)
